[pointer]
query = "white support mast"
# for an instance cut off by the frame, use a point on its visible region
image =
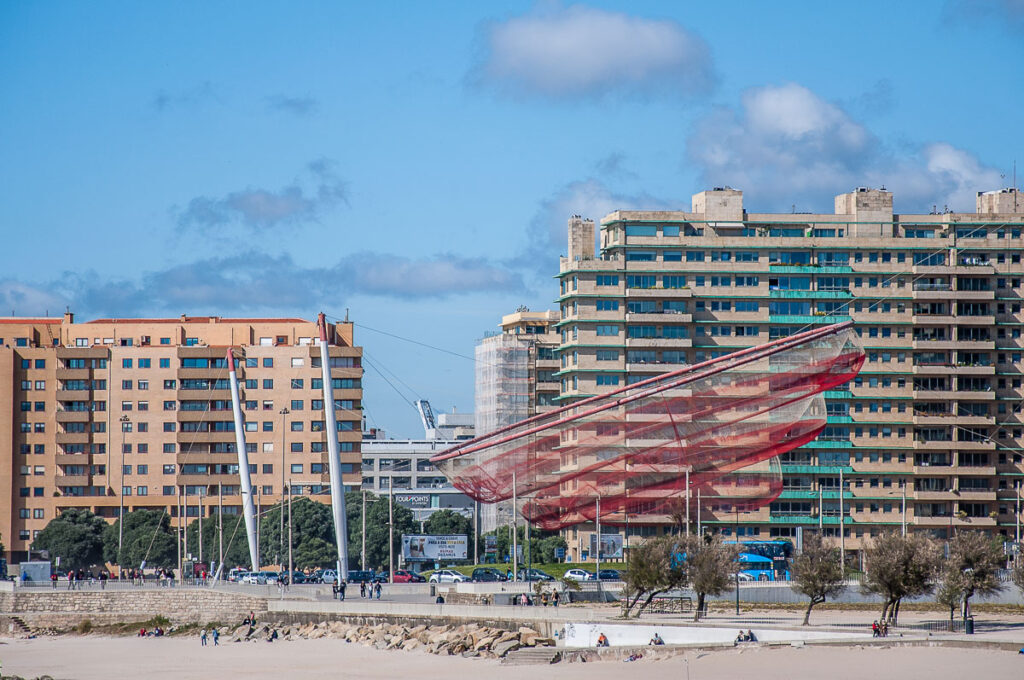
(248, 509)
(333, 458)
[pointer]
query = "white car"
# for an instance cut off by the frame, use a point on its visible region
(251, 577)
(447, 576)
(579, 575)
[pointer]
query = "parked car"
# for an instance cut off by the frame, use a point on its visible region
(297, 576)
(236, 574)
(609, 575)
(250, 577)
(365, 576)
(580, 575)
(447, 576)
(487, 574)
(404, 576)
(534, 575)
(328, 576)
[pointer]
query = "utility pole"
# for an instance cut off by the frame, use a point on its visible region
(259, 521)
(125, 423)
(177, 537)
(362, 554)
(184, 530)
(202, 509)
(842, 525)
(736, 506)
(515, 532)
(687, 501)
(291, 565)
(699, 532)
(903, 507)
(821, 509)
(391, 528)
(284, 412)
(220, 523)
(597, 552)
(476, 532)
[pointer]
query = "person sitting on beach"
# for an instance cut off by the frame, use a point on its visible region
(656, 640)
(750, 636)
(740, 637)
(602, 641)
(142, 632)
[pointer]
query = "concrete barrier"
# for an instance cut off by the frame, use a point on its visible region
(585, 634)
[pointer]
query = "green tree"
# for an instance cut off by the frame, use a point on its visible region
(376, 529)
(312, 535)
(899, 567)
(975, 559)
(710, 566)
(147, 538)
(236, 544)
(447, 521)
(76, 536)
(816, 573)
(652, 570)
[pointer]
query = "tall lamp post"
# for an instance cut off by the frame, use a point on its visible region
(284, 412)
(125, 424)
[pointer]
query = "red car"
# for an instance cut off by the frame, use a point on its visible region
(403, 576)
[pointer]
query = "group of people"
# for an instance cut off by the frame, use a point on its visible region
(215, 635)
(156, 632)
(880, 629)
(369, 590)
(545, 599)
(745, 637)
(656, 640)
(79, 577)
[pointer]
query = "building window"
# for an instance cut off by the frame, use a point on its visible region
(296, 468)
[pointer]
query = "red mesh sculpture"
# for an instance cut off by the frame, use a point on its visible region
(721, 424)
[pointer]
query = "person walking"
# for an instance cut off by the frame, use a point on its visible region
(216, 637)
(554, 599)
(341, 590)
(362, 589)
(202, 636)
(378, 589)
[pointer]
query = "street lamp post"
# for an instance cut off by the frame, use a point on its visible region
(737, 508)
(125, 424)
(283, 412)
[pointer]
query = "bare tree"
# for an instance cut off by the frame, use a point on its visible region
(652, 571)
(975, 559)
(899, 567)
(817, 573)
(710, 567)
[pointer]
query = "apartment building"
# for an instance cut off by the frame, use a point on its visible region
(930, 435)
(515, 378)
(136, 413)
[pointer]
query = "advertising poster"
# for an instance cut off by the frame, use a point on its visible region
(418, 547)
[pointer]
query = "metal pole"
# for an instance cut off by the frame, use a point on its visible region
(202, 509)
(391, 528)
(362, 554)
(515, 532)
(184, 500)
(737, 507)
(244, 477)
(291, 564)
(699, 532)
(821, 509)
(120, 496)
(333, 456)
(177, 536)
(597, 527)
(476, 532)
(1017, 537)
(903, 509)
(842, 526)
(220, 523)
(687, 501)
(259, 521)
(284, 412)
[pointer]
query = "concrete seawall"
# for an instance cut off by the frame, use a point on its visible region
(64, 609)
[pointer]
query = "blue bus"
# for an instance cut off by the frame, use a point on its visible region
(780, 552)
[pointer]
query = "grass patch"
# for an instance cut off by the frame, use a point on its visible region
(84, 627)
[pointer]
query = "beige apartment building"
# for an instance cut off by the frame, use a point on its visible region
(136, 413)
(930, 436)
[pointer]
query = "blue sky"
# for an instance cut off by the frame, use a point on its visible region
(415, 163)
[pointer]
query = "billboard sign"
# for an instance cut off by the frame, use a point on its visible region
(611, 545)
(413, 500)
(490, 544)
(419, 547)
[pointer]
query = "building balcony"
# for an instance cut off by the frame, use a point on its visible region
(72, 480)
(974, 471)
(72, 458)
(808, 318)
(933, 319)
(200, 373)
(668, 343)
(72, 437)
(945, 495)
(206, 437)
(977, 494)
(935, 345)
(74, 395)
(654, 367)
(952, 419)
(986, 445)
(74, 374)
(673, 293)
(945, 395)
(184, 416)
(972, 295)
(74, 416)
(935, 444)
(954, 522)
(659, 317)
(809, 269)
(810, 294)
(952, 269)
(975, 320)
(224, 395)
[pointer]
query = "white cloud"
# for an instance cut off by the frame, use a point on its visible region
(785, 145)
(264, 208)
(582, 51)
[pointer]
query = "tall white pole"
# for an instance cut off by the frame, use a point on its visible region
(248, 508)
(220, 525)
(698, 513)
(597, 551)
(202, 509)
(903, 510)
(291, 565)
(1017, 536)
(259, 521)
(177, 538)
(362, 553)
(821, 508)
(333, 457)
(391, 528)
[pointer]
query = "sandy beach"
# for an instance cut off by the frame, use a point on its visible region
(95, 657)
